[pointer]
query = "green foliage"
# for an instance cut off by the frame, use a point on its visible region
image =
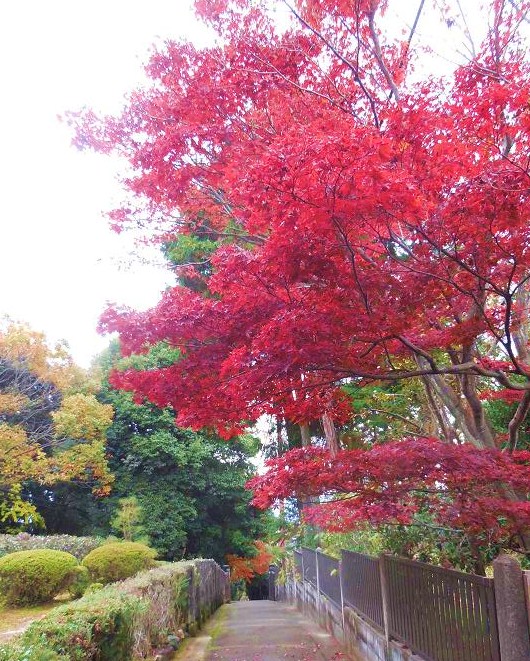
(72, 511)
(188, 248)
(97, 626)
(127, 518)
(422, 541)
(500, 413)
(385, 412)
(117, 561)
(195, 251)
(189, 486)
(19, 652)
(32, 577)
(79, 581)
(116, 623)
(77, 546)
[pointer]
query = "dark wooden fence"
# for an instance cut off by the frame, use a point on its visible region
(329, 578)
(209, 587)
(309, 564)
(441, 614)
(298, 565)
(361, 585)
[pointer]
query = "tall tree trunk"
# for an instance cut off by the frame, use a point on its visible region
(306, 435)
(330, 432)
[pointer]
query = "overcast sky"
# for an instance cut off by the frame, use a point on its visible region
(59, 262)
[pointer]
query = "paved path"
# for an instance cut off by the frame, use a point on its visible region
(262, 631)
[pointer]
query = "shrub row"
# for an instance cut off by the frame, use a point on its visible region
(77, 546)
(32, 577)
(120, 622)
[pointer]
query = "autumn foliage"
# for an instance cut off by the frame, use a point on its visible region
(370, 224)
(49, 433)
(460, 486)
(246, 568)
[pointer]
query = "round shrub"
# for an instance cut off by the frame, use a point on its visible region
(33, 577)
(117, 561)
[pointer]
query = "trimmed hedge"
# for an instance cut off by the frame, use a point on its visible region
(77, 546)
(33, 577)
(99, 626)
(121, 621)
(118, 561)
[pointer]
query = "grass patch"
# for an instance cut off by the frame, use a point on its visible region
(13, 619)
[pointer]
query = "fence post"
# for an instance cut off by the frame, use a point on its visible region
(342, 597)
(273, 572)
(228, 585)
(385, 596)
(303, 586)
(526, 583)
(512, 619)
(318, 583)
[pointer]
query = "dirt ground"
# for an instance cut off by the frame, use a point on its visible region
(14, 621)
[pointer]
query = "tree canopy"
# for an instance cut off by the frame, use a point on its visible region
(50, 431)
(189, 487)
(367, 224)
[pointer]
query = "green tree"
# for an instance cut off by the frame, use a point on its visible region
(189, 486)
(126, 521)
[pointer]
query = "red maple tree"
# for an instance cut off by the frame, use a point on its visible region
(369, 227)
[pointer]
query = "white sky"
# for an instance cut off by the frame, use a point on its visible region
(59, 262)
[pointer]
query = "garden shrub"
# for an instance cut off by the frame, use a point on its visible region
(79, 581)
(116, 562)
(18, 652)
(33, 577)
(166, 591)
(119, 622)
(77, 546)
(99, 626)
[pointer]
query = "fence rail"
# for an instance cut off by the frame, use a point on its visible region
(441, 614)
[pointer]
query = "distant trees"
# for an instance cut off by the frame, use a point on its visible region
(188, 487)
(51, 432)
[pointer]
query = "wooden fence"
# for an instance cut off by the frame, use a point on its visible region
(361, 585)
(441, 614)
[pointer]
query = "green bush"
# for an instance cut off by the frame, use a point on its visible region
(122, 621)
(99, 626)
(94, 587)
(33, 577)
(116, 562)
(79, 581)
(77, 546)
(18, 652)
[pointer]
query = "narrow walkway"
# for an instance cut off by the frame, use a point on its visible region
(263, 631)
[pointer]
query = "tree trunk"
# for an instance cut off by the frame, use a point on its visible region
(330, 432)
